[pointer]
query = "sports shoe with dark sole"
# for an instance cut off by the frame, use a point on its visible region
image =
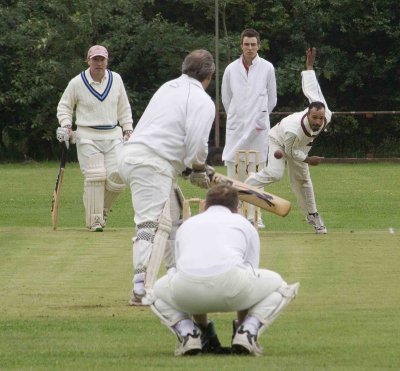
(135, 300)
(316, 221)
(188, 345)
(245, 343)
(210, 343)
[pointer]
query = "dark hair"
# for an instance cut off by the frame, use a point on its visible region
(249, 32)
(317, 105)
(223, 195)
(198, 64)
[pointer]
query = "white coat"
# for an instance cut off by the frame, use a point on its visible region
(248, 99)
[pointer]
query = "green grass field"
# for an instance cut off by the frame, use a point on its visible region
(64, 293)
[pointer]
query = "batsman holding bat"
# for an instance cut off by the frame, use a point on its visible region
(98, 98)
(290, 142)
(171, 135)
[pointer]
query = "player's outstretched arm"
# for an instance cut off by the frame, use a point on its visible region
(311, 54)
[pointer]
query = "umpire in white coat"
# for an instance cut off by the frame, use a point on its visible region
(293, 137)
(248, 95)
(171, 135)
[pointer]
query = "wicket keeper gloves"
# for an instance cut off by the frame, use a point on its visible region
(201, 175)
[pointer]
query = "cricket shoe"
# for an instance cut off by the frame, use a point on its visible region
(209, 340)
(96, 225)
(260, 224)
(245, 342)
(135, 300)
(137, 295)
(316, 221)
(188, 345)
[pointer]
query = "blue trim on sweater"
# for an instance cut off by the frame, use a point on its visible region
(99, 96)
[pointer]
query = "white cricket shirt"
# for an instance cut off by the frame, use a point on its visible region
(177, 122)
(214, 241)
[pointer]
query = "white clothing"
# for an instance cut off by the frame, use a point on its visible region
(217, 257)
(103, 104)
(294, 136)
(248, 98)
(237, 289)
(171, 135)
(101, 110)
(297, 123)
(151, 179)
(177, 122)
(237, 241)
(86, 148)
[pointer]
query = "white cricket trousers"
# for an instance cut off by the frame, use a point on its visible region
(86, 148)
(152, 180)
(240, 288)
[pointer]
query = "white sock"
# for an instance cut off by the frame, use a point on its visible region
(185, 327)
(138, 284)
(251, 324)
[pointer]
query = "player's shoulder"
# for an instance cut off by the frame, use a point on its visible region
(115, 75)
(234, 64)
(265, 63)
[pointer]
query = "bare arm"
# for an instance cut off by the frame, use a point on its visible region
(311, 54)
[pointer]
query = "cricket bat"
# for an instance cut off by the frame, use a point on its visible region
(55, 203)
(255, 196)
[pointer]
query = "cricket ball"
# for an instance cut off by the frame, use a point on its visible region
(278, 154)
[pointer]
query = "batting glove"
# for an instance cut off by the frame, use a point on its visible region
(201, 175)
(63, 134)
(127, 134)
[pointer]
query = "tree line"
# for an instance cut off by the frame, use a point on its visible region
(44, 45)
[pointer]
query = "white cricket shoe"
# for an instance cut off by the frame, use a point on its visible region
(138, 292)
(260, 224)
(97, 225)
(188, 345)
(245, 343)
(316, 221)
(136, 300)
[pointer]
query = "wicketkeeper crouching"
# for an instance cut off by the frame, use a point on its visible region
(217, 270)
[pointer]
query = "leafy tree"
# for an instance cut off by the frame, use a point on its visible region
(44, 45)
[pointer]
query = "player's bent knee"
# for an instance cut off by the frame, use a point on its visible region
(114, 183)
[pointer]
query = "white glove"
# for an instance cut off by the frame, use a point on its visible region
(126, 134)
(63, 134)
(201, 176)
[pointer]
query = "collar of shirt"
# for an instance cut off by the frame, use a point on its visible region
(192, 80)
(253, 62)
(246, 67)
(92, 82)
(218, 209)
(307, 128)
